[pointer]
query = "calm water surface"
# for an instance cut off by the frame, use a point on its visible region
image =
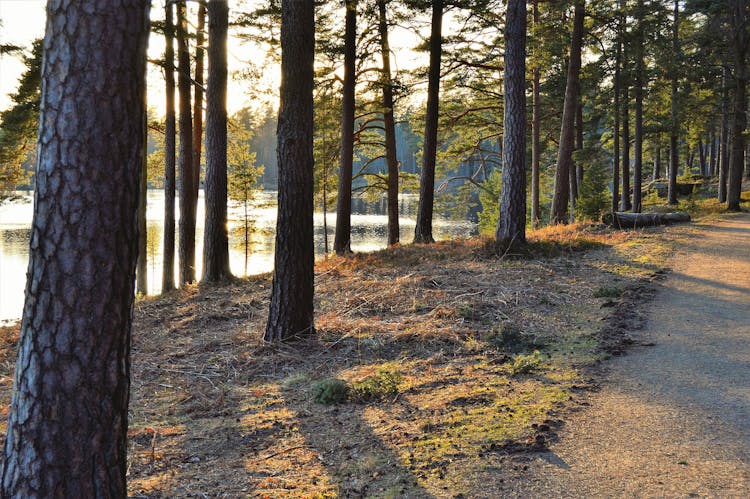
(368, 233)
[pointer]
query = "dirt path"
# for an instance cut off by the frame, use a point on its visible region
(673, 419)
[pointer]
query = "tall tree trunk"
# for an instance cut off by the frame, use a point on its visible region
(657, 162)
(423, 229)
(712, 156)
(625, 203)
(616, 132)
(573, 173)
(291, 311)
(215, 237)
(724, 152)
(198, 101)
(185, 157)
(511, 223)
(567, 132)
(343, 236)
(68, 422)
(141, 267)
(535, 134)
(389, 124)
(702, 156)
(170, 130)
(674, 154)
(638, 90)
(740, 41)
(579, 139)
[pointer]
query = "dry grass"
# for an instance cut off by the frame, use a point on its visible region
(217, 413)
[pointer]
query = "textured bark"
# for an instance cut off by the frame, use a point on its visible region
(215, 237)
(724, 138)
(674, 155)
(68, 419)
(170, 130)
(740, 40)
(291, 311)
(511, 223)
(389, 124)
(141, 267)
(567, 140)
(185, 156)
(702, 157)
(579, 138)
(198, 101)
(536, 122)
(625, 202)
(343, 236)
(423, 229)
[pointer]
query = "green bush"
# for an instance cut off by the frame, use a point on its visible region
(376, 387)
(329, 391)
(593, 193)
(525, 363)
(608, 292)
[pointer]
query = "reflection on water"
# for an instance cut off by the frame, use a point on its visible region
(369, 232)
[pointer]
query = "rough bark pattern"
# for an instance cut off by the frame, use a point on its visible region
(657, 163)
(215, 237)
(712, 156)
(638, 90)
(423, 229)
(740, 41)
(291, 311)
(674, 155)
(198, 101)
(343, 236)
(185, 157)
(567, 130)
(68, 419)
(536, 122)
(389, 124)
(511, 224)
(170, 129)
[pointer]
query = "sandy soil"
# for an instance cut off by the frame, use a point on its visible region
(672, 419)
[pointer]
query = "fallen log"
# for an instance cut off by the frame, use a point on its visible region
(622, 220)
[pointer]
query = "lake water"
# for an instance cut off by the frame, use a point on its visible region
(368, 233)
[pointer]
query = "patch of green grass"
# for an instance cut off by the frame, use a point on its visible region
(376, 387)
(523, 364)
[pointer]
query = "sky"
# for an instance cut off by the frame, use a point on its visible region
(23, 21)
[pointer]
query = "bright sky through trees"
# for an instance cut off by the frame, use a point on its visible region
(23, 21)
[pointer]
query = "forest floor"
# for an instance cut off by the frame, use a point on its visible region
(464, 371)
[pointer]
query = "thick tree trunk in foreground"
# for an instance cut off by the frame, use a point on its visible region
(740, 41)
(567, 130)
(511, 223)
(170, 130)
(68, 419)
(616, 131)
(185, 157)
(423, 230)
(291, 312)
(389, 124)
(343, 236)
(215, 237)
